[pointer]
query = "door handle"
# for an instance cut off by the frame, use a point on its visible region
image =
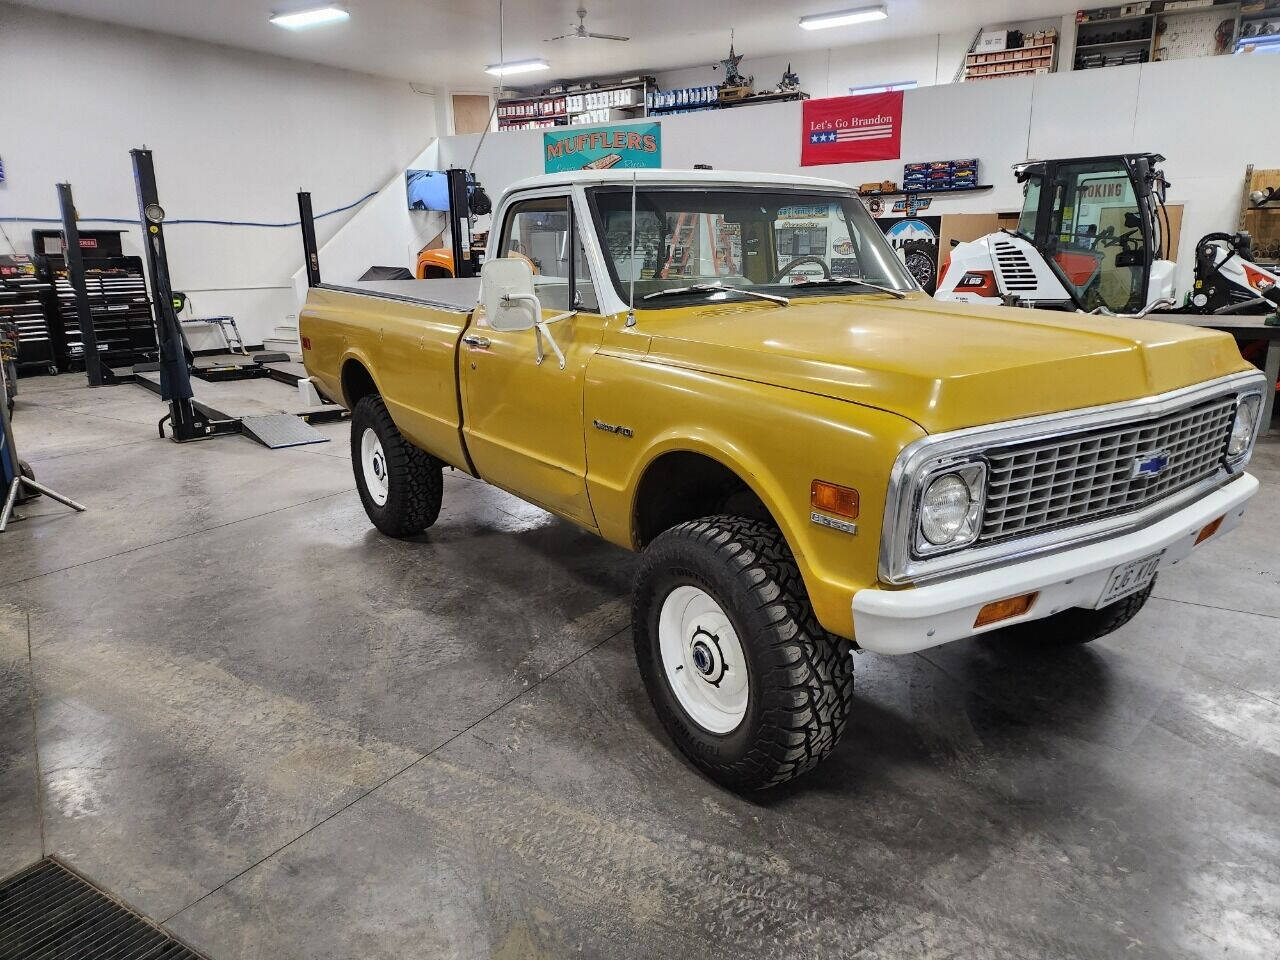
(474, 340)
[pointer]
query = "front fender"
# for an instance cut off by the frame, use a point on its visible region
(778, 441)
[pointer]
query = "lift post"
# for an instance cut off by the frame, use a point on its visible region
(74, 259)
(189, 419)
(460, 223)
(309, 248)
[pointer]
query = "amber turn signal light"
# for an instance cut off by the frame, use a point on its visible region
(1209, 529)
(833, 498)
(1004, 609)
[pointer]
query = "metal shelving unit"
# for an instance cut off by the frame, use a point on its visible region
(1011, 62)
(1107, 41)
(976, 188)
(570, 106)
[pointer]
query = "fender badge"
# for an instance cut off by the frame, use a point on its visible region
(843, 526)
(613, 428)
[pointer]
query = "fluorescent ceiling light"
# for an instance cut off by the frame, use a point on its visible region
(842, 18)
(314, 17)
(516, 66)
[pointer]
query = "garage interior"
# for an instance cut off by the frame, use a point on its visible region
(263, 728)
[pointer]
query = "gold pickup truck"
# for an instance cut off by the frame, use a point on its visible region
(734, 375)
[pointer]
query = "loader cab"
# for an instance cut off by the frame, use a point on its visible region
(1097, 222)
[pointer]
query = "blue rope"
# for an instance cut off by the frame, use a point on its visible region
(171, 223)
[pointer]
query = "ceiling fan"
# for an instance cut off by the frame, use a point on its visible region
(580, 32)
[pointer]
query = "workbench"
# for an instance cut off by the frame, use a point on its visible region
(1243, 327)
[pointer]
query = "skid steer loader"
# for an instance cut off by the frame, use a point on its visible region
(1093, 236)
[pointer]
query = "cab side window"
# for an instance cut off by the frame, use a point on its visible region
(542, 231)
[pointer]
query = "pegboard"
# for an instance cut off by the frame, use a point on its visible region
(1193, 33)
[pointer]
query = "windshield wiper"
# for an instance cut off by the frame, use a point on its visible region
(716, 288)
(849, 281)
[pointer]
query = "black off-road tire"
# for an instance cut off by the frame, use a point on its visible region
(415, 478)
(1080, 625)
(800, 677)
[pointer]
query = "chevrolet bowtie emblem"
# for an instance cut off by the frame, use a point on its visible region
(1148, 465)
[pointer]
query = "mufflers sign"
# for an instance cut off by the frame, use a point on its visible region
(597, 148)
(851, 129)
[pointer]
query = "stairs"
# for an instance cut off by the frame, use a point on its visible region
(284, 339)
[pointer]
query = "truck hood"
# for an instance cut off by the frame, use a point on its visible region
(945, 366)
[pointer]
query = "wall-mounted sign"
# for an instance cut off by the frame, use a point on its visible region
(851, 129)
(627, 146)
(916, 241)
(911, 205)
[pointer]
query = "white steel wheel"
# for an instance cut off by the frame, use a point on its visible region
(703, 659)
(374, 463)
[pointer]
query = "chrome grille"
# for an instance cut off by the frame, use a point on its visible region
(1043, 485)
(1015, 270)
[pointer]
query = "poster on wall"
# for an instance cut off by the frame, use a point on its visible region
(626, 146)
(851, 129)
(915, 239)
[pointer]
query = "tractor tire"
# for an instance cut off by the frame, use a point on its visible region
(744, 679)
(400, 486)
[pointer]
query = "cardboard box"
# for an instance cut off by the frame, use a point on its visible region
(991, 41)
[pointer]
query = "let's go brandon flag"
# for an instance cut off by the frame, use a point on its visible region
(852, 129)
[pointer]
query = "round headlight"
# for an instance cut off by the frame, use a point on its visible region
(944, 508)
(1242, 427)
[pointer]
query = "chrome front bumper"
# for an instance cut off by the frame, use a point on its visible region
(915, 618)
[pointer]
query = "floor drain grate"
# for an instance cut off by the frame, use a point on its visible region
(46, 911)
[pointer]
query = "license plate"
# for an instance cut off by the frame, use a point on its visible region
(1130, 578)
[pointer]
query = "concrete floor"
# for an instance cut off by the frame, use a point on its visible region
(231, 702)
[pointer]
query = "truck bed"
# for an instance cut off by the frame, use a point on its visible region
(451, 294)
(402, 334)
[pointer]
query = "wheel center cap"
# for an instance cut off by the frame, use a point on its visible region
(706, 656)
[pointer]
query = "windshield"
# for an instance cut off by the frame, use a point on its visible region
(1096, 234)
(769, 241)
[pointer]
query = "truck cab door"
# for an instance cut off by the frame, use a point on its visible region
(523, 420)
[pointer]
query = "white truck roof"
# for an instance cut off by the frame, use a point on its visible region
(625, 176)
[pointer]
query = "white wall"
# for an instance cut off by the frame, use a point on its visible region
(829, 73)
(385, 233)
(235, 135)
(1158, 107)
(927, 60)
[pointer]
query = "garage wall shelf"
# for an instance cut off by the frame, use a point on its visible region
(727, 104)
(1013, 62)
(976, 188)
(1155, 30)
(602, 104)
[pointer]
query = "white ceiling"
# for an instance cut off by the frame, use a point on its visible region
(448, 42)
